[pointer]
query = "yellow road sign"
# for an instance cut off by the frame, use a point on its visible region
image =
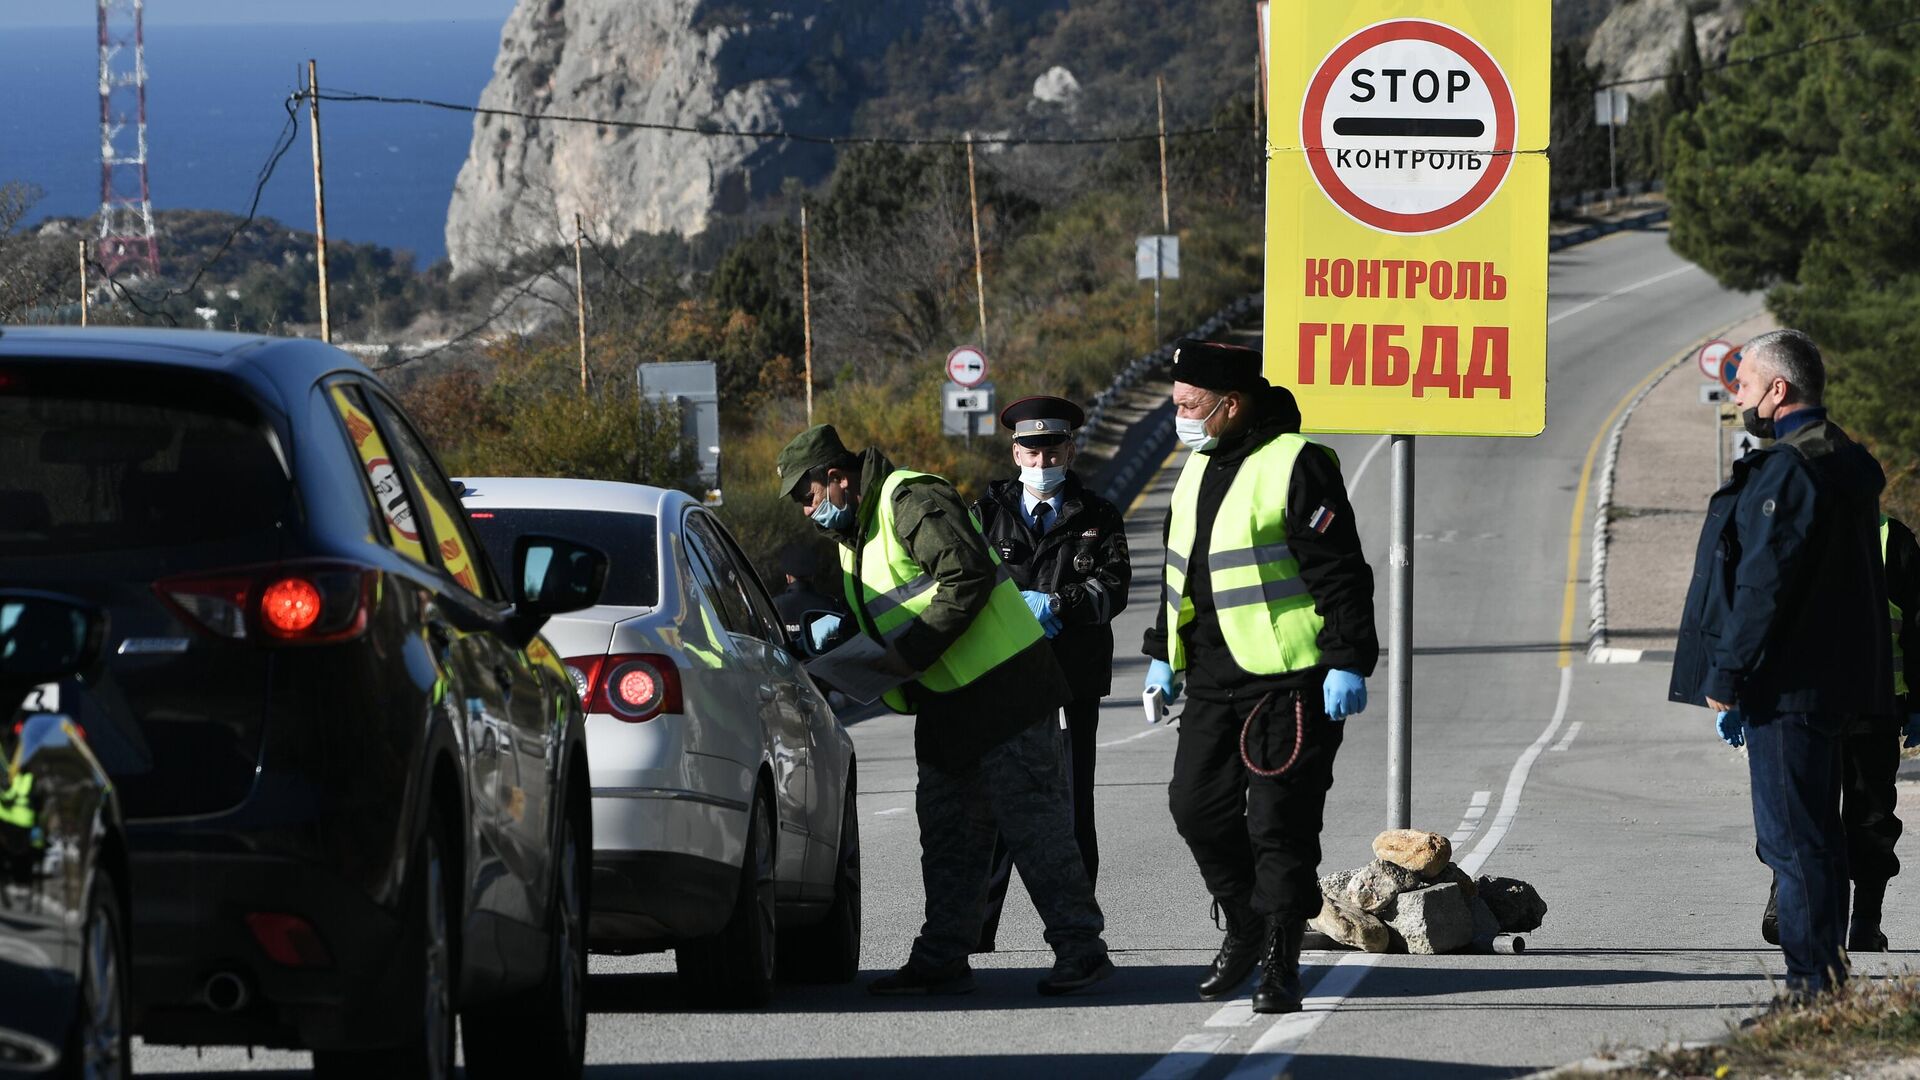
(1406, 273)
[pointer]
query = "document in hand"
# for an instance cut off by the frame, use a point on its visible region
(859, 668)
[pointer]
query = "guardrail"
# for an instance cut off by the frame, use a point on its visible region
(1571, 203)
(1157, 361)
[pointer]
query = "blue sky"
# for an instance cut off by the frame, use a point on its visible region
(22, 13)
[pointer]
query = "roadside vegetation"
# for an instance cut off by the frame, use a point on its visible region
(1869, 1022)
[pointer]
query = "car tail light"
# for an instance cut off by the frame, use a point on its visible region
(304, 603)
(635, 687)
(288, 939)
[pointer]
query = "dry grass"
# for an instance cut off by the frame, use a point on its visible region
(1871, 1020)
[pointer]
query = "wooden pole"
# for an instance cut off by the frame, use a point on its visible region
(319, 198)
(1160, 96)
(806, 306)
(83, 281)
(979, 275)
(580, 298)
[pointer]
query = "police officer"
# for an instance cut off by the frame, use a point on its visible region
(800, 603)
(1267, 621)
(1870, 757)
(984, 686)
(1066, 548)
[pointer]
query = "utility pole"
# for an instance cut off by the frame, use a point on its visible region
(979, 275)
(806, 307)
(319, 198)
(83, 281)
(580, 298)
(1166, 214)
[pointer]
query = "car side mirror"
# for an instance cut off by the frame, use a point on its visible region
(803, 641)
(554, 576)
(44, 637)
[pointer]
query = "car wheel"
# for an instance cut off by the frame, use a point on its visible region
(735, 966)
(829, 951)
(428, 1051)
(543, 1031)
(99, 1046)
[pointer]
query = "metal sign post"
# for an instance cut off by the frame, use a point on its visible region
(1400, 638)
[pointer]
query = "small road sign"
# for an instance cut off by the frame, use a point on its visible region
(967, 410)
(1711, 354)
(1409, 126)
(1156, 257)
(1711, 394)
(1730, 370)
(1610, 107)
(1740, 443)
(967, 366)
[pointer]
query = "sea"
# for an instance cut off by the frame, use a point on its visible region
(215, 106)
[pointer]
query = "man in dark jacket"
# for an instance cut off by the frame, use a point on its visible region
(1268, 621)
(1067, 550)
(1785, 636)
(984, 686)
(799, 564)
(1870, 758)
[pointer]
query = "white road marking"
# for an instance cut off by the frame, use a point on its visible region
(1480, 799)
(1572, 730)
(1517, 780)
(1236, 1013)
(1144, 734)
(1471, 821)
(895, 810)
(1372, 453)
(1622, 291)
(1189, 1056)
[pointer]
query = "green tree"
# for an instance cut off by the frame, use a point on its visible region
(1797, 174)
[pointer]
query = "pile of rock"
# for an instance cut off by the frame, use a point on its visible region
(1412, 899)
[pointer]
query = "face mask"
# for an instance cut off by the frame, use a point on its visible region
(1043, 480)
(836, 518)
(1760, 427)
(1193, 433)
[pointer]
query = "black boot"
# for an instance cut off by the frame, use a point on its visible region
(1238, 953)
(1770, 919)
(1279, 990)
(1863, 933)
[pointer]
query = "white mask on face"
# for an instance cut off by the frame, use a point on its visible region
(1045, 481)
(1193, 433)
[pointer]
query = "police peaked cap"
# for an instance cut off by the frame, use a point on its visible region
(1041, 420)
(1217, 366)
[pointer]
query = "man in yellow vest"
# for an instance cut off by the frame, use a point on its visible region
(1870, 757)
(985, 687)
(1267, 623)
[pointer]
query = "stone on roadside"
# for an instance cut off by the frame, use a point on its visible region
(1352, 927)
(1437, 919)
(1516, 904)
(1427, 854)
(1372, 887)
(1485, 926)
(1459, 877)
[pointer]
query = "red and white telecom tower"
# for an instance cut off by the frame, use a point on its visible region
(126, 215)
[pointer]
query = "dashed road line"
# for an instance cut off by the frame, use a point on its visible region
(1470, 823)
(1131, 738)
(1572, 730)
(1189, 1056)
(895, 810)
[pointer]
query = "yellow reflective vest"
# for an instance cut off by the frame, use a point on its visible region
(1894, 612)
(1265, 613)
(887, 586)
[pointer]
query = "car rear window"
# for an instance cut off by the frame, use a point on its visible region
(631, 542)
(97, 461)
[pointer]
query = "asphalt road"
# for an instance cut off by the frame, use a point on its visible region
(1624, 811)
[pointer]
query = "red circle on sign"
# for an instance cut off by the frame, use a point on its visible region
(958, 363)
(1505, 127)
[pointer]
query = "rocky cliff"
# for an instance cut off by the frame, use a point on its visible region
(1638, 40)
(703, 63)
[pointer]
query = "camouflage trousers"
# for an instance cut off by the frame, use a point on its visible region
(1019, 790)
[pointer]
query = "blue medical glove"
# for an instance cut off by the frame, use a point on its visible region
(1910, 735)
(1160, 674)
(1732, 729)
(1037, 603)
(822, 631)
(1344, 693)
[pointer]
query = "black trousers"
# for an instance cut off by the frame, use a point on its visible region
(1083, 728)
(1868, 796)
(1256, 839)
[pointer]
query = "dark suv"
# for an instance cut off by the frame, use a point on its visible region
(354, 777)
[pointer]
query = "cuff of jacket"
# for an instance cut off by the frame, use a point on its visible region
(1721, 686)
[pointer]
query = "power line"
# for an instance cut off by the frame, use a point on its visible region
(781, 134)
(1756, 58)
(500, 309)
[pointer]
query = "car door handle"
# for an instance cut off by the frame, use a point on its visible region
(768, 692)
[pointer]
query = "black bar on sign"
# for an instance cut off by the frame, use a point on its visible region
(1409, 128)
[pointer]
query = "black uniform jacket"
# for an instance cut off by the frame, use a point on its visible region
(797, 599)
(1903, 588)
(1787, 610)
(1331, 563)
(952, 730)
(1082, 558)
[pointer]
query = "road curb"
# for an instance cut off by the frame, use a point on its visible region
(1598, 651)
(1605, 228)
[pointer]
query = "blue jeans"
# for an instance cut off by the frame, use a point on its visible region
(1794, 760)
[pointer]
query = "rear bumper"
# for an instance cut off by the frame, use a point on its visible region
(648, 900)
(189, 925)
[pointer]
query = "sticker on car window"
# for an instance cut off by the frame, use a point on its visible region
(42, 698)
(402, 529)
